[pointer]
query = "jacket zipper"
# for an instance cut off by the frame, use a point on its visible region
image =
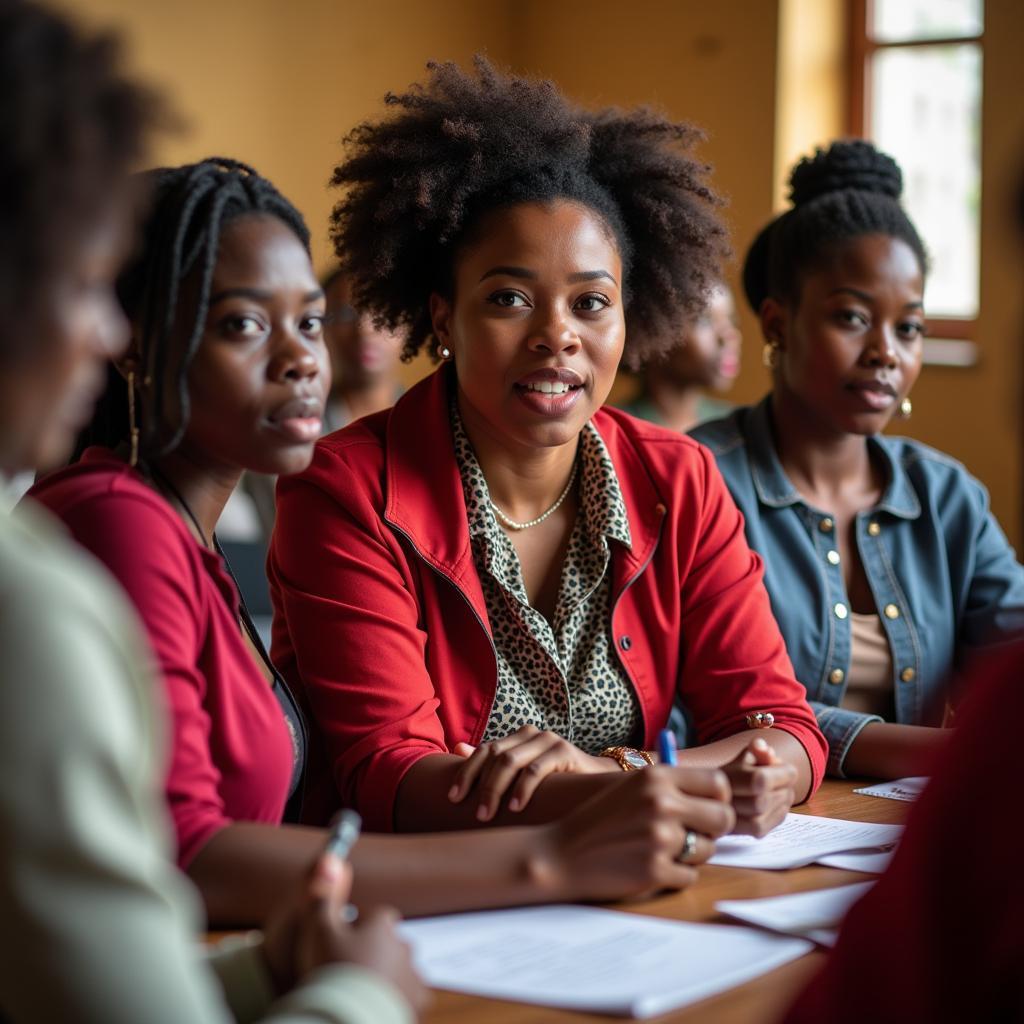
(621, 594)
(469, 604)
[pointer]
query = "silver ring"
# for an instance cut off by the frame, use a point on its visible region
(689, 847)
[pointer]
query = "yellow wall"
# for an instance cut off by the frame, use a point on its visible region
(278, 84)
(811, 95)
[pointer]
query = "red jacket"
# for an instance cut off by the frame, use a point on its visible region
(231, 755)
(381, 622)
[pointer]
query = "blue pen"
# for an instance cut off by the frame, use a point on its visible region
(667, 747)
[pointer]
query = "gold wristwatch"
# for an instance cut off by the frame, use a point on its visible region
(629, 759)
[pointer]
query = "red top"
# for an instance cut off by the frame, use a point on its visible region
(939, 937)
(231, 756)
(381, 623)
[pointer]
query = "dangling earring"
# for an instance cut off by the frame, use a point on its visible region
(906, 409)
(133, 428)
(770, 355)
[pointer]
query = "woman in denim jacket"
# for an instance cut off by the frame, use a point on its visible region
(884, 564)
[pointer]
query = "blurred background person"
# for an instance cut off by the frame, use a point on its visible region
(674, 388)
(364, 358)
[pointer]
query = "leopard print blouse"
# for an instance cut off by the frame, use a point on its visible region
(561, 675)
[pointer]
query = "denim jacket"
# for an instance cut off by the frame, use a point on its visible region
(944, 578)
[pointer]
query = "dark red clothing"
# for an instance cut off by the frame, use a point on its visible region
(231, 756)
(939, 938)
(381, 622)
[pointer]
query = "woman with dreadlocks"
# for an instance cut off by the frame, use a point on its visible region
(885, 567)
(226, 372)
(498, 563)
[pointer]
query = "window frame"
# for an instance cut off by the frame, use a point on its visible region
(862, 50)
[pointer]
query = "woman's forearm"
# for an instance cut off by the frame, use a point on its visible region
(886, 750)
(422, 803)
(246, 868)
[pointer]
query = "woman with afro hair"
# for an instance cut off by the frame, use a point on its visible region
(886, 569)
(490, 594)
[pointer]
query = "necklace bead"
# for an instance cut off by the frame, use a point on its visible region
(513, 525)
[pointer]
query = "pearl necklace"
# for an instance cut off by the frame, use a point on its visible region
(513, 525)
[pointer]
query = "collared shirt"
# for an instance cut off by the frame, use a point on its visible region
(944, 578)
(560, 675)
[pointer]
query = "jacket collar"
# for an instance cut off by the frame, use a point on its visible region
(424, 497)
(425, 500)
(776, 490)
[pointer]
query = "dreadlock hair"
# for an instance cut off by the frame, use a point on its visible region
(462, 145)
(71, 126)
(190, 207)
(841, 193)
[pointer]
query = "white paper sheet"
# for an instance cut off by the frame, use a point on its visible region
(584, 958)
(814, 915)
(802, 839)
(899, 789)
(860, 860)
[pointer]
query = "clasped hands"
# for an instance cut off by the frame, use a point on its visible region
(759, 785)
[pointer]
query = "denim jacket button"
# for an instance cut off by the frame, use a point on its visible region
(891, 611)
(833, 557)
(907, 675)
(826, 524)
(874, 529)
(841, 612)
(837, 675)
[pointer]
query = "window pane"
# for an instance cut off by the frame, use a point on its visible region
(926, 113)
(903, 20)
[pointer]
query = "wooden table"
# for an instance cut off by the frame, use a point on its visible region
(758, 1001)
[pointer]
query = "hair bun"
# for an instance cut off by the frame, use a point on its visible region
(849, 164)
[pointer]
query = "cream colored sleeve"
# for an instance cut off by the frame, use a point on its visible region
(96, 924)
(341, 994)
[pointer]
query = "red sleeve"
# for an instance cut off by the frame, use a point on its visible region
(734, 658)
(938, 938)
(147, 552)
(342, 586)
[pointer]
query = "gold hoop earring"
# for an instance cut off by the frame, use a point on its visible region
(906, 409)
(133, 428)
(770, 355)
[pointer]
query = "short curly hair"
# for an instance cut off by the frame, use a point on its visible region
(462, 145)
(71, 126)
(838, 194)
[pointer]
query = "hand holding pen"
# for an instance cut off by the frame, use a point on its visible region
(312, 930)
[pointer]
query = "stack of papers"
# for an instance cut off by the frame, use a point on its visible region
(812, 915)
(584, 958)
(859, 860)
(899, 789)
(802, 839)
